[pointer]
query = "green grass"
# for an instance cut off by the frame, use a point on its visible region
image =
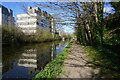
(106, 59)
(55, 67)
(107, 56)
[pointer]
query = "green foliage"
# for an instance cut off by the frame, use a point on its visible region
(54, 68)
(13, 34)
(106, 58)
(89, 25)
(116, 6)
(67, 36)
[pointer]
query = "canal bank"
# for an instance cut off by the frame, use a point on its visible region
(14, 36)
(54, 68)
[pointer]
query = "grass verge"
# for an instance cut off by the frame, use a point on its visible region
(105, 59)
(55, 67)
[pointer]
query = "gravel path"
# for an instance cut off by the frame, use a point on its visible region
(76, 65)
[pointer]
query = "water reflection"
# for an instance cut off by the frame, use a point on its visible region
(26, 61)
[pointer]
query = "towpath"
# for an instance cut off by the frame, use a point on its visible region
(76, 65)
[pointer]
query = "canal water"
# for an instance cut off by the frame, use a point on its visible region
(26, 61)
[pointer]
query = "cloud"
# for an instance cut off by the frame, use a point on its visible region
(108, 9)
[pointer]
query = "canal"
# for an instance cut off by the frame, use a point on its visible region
(28, 60)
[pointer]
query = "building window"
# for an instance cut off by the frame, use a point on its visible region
(37, 23)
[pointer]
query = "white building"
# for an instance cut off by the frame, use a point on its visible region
(34, 19)
(6, 16)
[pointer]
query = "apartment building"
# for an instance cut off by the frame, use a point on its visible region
(6, 16)
(35, 19)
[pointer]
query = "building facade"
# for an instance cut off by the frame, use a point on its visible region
(6, 16)
(35, 19)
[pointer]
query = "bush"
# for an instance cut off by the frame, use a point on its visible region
(14, 34)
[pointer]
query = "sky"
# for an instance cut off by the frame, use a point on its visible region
(18, 8)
